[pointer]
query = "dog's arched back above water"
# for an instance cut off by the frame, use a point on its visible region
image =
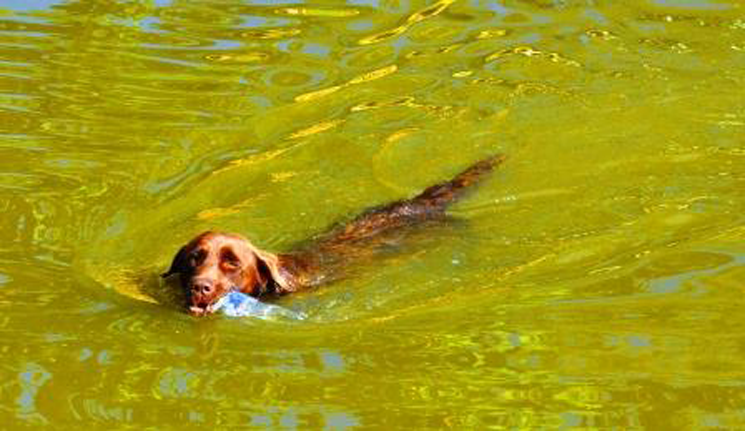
(215, 263)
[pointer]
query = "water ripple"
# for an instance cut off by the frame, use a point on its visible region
(583, 284)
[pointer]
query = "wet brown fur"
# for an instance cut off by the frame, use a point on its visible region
(214, 263)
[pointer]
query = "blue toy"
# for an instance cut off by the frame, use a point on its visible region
(237, 304)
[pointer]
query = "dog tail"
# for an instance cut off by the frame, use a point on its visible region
(443, 194)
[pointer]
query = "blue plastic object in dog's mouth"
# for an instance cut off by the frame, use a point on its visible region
(237, 304)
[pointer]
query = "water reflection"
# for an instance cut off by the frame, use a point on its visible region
(31, 380)
(594, 281)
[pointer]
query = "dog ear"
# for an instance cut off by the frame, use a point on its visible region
(179, 263)
(270, 276)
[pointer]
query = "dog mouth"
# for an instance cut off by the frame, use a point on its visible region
(196, 310)
(202, 305)
(202, 309)
(207, 306)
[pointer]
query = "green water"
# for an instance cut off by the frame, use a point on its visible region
(595, 281)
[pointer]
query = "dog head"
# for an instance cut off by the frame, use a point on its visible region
(215, 263)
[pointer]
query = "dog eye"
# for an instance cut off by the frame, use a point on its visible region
(197, 257)
(230, 260)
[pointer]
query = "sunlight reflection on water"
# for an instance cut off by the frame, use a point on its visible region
(584, 284)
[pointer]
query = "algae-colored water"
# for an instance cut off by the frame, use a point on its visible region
(596, 280)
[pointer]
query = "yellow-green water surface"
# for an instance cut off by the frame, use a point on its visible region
(596, 280)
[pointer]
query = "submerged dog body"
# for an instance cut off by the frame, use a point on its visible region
(215, 263)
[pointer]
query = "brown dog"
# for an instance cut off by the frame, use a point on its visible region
(214, 263)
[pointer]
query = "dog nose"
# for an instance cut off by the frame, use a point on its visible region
(203, 287)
